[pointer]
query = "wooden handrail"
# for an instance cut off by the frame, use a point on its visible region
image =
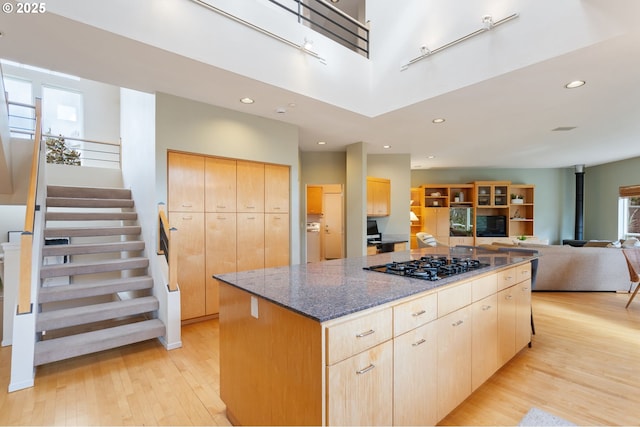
(26, 240)
(172, 259)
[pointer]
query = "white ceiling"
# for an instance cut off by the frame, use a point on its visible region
(503, 121)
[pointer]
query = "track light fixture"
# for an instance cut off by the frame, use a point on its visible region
(487, 25)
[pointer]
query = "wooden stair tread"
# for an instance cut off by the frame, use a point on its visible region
(91, 231)
(63, 318)
(104, 287)
(91, 216)
(88, 192)
(88, 202)
(102, 266)
(52, 350)
(92, 248)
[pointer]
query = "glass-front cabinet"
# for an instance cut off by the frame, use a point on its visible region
(491, 195)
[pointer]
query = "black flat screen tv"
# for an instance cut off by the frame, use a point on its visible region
(491, 226)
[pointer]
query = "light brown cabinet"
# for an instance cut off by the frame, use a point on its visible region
(185, 185)
(276, 239)
(315, 198)
(378, 196)
(221, 258)
(276, 188)
(415, 359)
(484, 342)
(220, 185)
(230, 198)
(436, 223)
(250, 241)
(514, 314)
(360, 388)
(191, 261)
(454, 360)
(250, 187)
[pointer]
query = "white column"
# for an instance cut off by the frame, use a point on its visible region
(10, 282)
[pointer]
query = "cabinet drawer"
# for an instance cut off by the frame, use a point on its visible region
(414, 313)
(483, 287)
(523, 272)
(506, 278)
(451, 299)
(353, 336)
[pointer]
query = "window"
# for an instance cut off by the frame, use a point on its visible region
(20, 118)
(62, 112)
(629, 212)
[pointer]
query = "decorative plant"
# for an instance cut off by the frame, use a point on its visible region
(59, 153)
(523, 237)
(515, 196)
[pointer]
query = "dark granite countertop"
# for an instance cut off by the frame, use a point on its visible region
(331, 289)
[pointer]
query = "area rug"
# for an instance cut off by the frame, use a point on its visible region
(538, 417)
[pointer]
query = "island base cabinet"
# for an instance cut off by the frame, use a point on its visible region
(268, 375)
(415, 371)
(360, 388)
(454, 360)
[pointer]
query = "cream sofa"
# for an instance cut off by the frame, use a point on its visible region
(589, 268)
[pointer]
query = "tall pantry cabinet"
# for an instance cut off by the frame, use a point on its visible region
(231, 215)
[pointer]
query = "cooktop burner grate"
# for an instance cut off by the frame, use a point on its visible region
(430, 267)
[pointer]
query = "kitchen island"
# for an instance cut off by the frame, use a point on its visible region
(333, 343)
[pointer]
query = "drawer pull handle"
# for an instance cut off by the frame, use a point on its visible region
(250, 207)
(508, 278)
(486, 307)
(187, 217)
(221, 207)
(222, 217)
(417, 343)
(276, 207)
(365, 370)
(507, 297)
(525, 271)
(187, 205)
(525, 289)
(364, 334)
(458, 323)
(251, 217)
(419, 313)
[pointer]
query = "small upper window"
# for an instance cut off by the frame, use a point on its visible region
(21, 119)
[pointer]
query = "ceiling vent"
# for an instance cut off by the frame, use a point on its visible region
(563, 128)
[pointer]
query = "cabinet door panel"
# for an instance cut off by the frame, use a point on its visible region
(221, 253)
(250, 189)
(506, 325)
(250, 241)
(454, 360)
(276, 188)
(191, 262)
(360, 388)
(484, 342)
(523, 314)
(415, 357)
(220, 185)
(185, 187)
(276, 240)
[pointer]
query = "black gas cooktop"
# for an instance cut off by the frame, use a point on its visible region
(430, 267)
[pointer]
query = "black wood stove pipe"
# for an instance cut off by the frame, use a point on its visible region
(579, 225)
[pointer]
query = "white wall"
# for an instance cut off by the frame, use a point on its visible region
(190, 126)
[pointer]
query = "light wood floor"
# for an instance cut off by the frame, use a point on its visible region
(584, 366)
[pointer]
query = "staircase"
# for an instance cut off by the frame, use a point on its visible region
(95, 292)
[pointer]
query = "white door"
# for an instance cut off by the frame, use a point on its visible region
(333, 226)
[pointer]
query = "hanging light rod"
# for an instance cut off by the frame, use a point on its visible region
(488, 25)
(301, 47)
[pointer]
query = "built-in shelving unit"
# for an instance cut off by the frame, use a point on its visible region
(450, 212)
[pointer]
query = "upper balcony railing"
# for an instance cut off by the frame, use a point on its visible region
(22, 124)
(329, 21)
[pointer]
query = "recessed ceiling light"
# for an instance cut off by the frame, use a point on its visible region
(438, 120)
(322, 143)
(386, 146)
(574, 84)
(335, 1)
(247, 100)
(431, 157)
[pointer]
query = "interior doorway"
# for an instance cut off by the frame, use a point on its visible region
(325, 222)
